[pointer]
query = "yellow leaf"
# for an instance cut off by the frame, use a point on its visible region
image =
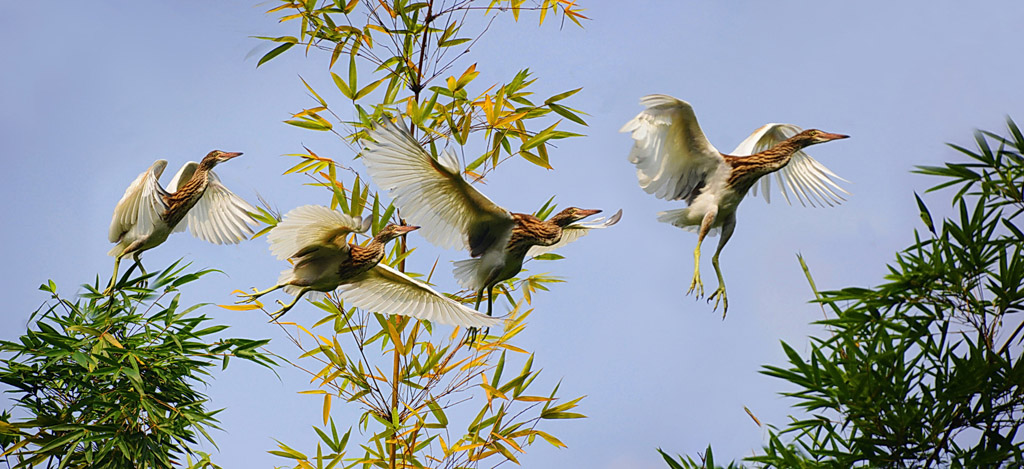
(112, 340)
(327, 407)
(533, 399)
(509, 441)
(248, 307)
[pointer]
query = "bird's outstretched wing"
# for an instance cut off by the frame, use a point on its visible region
(388, 291)
(804, 176)
(576, 231)
(432, 193)
(220, 216)
(671, 153)
(309, 226)
(140, 206)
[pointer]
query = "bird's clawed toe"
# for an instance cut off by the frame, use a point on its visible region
(697, 285)
(719, 295)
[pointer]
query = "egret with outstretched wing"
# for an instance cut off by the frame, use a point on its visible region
(147, 213)
(315, 238)
(675, 161)
(453, 214)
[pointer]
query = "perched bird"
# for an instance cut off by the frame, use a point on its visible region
(314, 237)
(674, 160)
(147, 213)
(453, 214)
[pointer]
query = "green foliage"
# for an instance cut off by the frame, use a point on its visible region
(111, 381)
(924, 370)
(407, 46)
(388, 60)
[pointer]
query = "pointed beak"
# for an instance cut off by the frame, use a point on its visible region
(401, 230)
(829, 136)
(586, 213)
(227, 155)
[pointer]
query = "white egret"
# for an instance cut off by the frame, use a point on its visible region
(675, 161)
(453, 214)
(147, 213)
(314, 237)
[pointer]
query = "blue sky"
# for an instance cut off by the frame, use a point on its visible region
(90, 96)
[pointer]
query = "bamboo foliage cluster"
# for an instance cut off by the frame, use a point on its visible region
(924, 370)
(111, 381)
(412, 383)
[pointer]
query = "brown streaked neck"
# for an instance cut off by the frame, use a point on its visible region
(748, 169)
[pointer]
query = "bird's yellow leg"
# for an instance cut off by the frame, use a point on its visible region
(113, 278)
(286, 307)
(696, 283)
(705, 226)
(250, 297)
(728, 225)
(719, 293)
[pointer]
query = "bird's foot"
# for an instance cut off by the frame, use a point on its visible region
(719, 295)
(697, 285)
(279, 313)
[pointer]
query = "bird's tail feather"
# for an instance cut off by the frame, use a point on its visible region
(468, 274)
(682, 218)
(288, 275)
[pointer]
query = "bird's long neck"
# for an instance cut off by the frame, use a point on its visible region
(182, 200)
(748, 169)
(531, 231)
(370, 254)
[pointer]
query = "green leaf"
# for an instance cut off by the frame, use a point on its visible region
(274, 53)
(926, 216)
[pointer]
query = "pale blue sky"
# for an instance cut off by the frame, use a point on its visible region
(91, 95)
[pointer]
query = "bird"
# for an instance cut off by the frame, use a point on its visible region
(453, 214)
(315, 239)
(147, 213)
(675, 161)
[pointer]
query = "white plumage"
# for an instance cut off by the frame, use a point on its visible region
(452, 213)
(315, 238)
(147, 213)
(675, 161)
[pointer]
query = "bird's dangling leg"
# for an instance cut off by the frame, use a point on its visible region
(138, 262)
(250, 297)
(479, 298)
(705, 226)
(286, 307)
(113, 278)
(727, 227)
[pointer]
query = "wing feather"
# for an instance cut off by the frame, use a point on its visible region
(220, 216)
(430, 193)
(671, 153)
(804, 176)
(311, 225)
(141, 204)
(388, 291)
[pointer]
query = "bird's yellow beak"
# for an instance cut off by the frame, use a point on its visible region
(405, 229)
(586, 213)
(828, 136)
(227, 155)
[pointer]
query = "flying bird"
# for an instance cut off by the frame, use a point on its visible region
(453, 214)
(675, 161)
(315, 238)
(147, 213)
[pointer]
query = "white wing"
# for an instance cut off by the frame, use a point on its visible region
(432, 193)
(140, 206)
(219, 216)
(671, 153)
(310, 225)
(804, 176)
(388, 291)
(576, 231)
(183, 175)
